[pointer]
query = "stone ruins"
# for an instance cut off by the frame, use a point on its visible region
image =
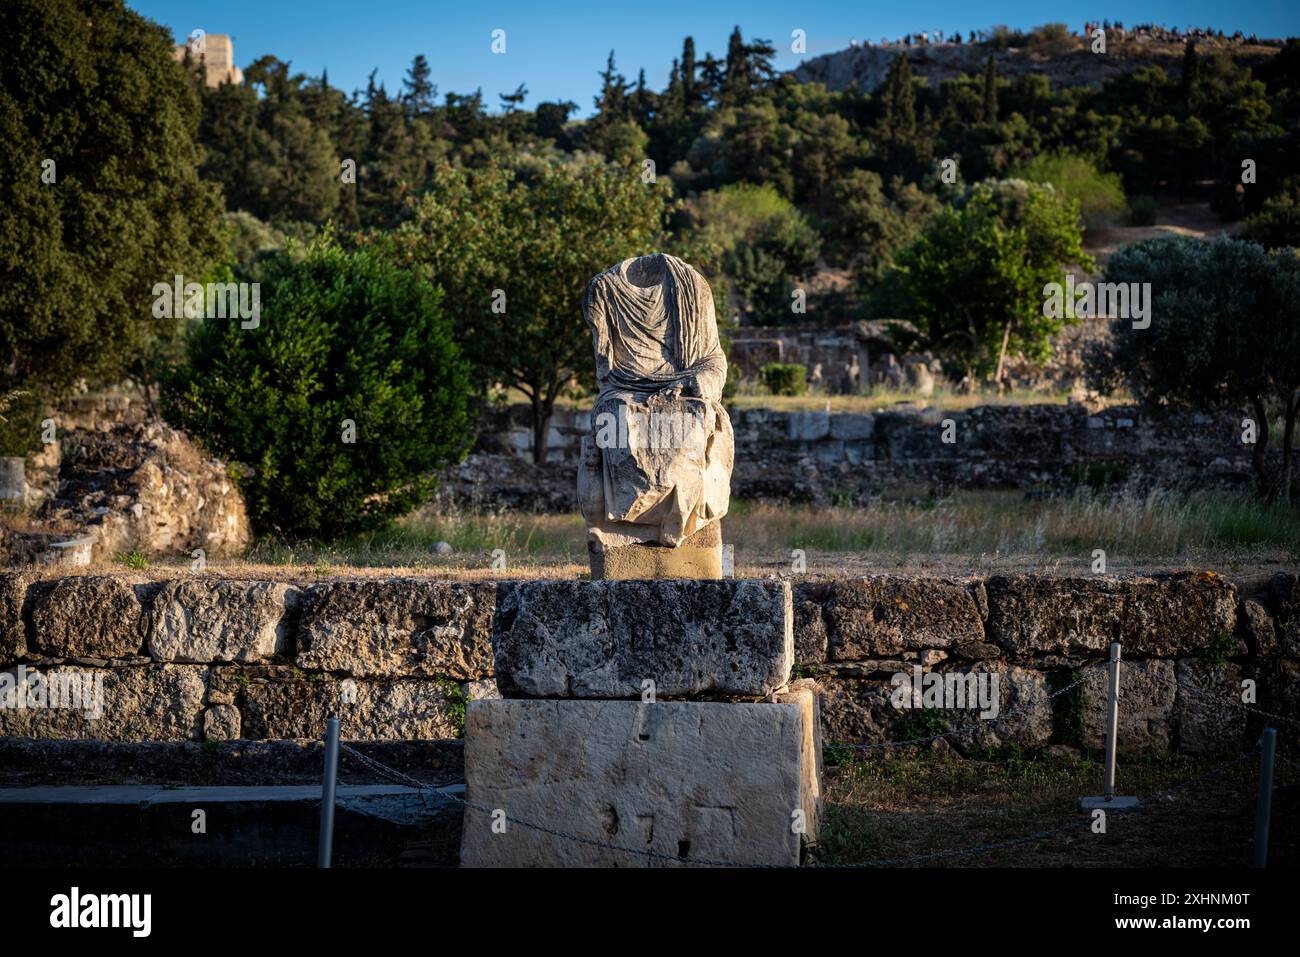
(655, 474)
(581, 746)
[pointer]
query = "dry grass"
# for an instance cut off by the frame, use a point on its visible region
(970, 532)
(879, 398)
(911, 806)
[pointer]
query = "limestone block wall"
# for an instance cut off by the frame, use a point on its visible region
(821, 456)
(212, 659)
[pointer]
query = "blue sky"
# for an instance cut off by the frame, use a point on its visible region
(557, 48)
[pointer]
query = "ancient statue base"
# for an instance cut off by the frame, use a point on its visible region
(699, 556)
(634, 784)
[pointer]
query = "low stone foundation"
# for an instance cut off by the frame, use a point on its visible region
(206, 659)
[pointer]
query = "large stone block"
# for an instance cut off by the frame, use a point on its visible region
(87, 617)
(220, 621)
(1147, 691)
(135, 703)
(13, 630)
(1282, 597)
(687, 782)
(808, 426)
(603, 639)
(1015, 710)
(1180, 614)
(697, 556)
(378, 710)
(399, 626)
(1039, 615)
(1207, 720)
(884, 615)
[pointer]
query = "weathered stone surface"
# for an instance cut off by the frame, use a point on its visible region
(851, 426)
(1204, 725)
(97, 616)
(139, 703)
(1261, 637)
(1031, 614)
(485, 690)
(809, 623)
(578, 639)
(863, 711)
(883, 615)
(399, 626)
(1147, 692)
(384, 710)
(697, 556)
(1178, 614)
(810, 426)
(1024, 710)
(857, 711)
(221, 723)
(1283, 600)
(13, 630)
(220, 621)
(690, 781)
(656, 463)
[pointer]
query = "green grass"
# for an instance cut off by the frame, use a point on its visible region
(906, 527)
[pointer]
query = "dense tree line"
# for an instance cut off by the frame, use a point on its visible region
(860, 167)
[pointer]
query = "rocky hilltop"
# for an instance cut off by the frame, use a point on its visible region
(1065, 64)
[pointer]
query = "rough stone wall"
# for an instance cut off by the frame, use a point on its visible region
(127, 486)
(209, 659)
(822, 456)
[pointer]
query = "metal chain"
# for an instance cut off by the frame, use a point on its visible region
(1047, 832)
(408, 781)
(1236, 704)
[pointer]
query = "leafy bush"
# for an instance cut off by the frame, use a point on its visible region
(91, 88)
(343, 338)
(767, 245)
(1221, 334)
(1142, 211)
(1277, 224)
(1100, 195)
(973, 283)
(784, 378)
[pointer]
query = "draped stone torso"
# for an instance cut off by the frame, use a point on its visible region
(655, 336)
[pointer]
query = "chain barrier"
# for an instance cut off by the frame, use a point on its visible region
(1239, 706)
(398, 777)
(405, 780)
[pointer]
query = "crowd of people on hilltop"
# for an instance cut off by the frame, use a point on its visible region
(1168, 34)
(926, 38)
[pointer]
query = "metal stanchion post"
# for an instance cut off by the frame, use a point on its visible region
(1108, 800)
(328, 786)
(1264, 804)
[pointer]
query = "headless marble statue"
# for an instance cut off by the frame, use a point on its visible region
(656, 470)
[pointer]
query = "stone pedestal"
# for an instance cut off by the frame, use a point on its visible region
(698, 556)
(654, 782)
(666, 784)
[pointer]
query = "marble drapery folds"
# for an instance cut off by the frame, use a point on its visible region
(657, 466)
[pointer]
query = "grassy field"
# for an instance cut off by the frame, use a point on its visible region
(934, 804)
(968, 532)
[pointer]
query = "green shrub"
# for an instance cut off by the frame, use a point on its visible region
(339, 404)
(1142, 211)
(784, 378)
(1100, 195)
